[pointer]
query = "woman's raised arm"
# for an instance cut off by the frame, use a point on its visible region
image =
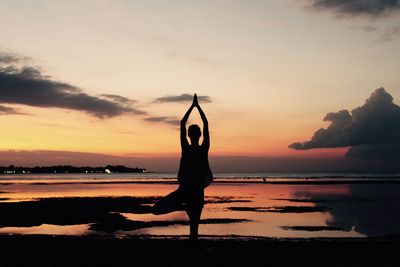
(184, 141)
(206, 134)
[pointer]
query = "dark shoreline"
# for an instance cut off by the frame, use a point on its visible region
(44, 250)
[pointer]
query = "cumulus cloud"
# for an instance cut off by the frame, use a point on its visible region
(163, 119)
(372, 130)
(182, 98)
(352, 8)
(27, 85)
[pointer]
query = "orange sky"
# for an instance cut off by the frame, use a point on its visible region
(272, 70)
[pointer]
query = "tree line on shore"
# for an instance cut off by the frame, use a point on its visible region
(70, 169)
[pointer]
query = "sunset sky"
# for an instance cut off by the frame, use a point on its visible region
(109, 77)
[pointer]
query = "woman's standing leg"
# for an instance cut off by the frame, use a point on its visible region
(194, 214)
(194, 208)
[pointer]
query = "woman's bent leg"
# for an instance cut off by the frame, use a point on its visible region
(171, 202)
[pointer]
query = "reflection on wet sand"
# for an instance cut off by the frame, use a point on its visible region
(246, 209)
(370, 209)
(312, 228)
(48, 229)
(282, 209)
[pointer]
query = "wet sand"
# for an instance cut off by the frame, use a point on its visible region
(31, 250)
(246, 209)
(102, 213)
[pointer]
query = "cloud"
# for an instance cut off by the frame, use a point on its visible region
(8, 58)
(375, 152)
(333, 136)
(372, 130)
(383, 34)
(9, 111)
(163, 119)
(369, 28)
(390, 33)
(370, 9)
(353, 8)
(29, 86)
(182, 98)
(22, 84)
(118, 99)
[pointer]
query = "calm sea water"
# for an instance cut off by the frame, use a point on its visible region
(286, 209)
(269, 176)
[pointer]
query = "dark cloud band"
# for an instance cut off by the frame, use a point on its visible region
(28, 86)
(370, 8)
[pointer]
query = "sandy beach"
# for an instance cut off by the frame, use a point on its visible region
(47, 250)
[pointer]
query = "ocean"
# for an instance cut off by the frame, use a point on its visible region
(165, 176)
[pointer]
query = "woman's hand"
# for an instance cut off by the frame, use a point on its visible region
(195, 102)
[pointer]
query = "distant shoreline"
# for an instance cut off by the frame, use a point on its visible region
(59, 169)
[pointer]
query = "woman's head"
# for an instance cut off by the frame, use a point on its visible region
(194, 133)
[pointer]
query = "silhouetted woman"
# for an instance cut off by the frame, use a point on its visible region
(194, 173)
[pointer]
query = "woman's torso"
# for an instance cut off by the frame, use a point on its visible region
(194, 169)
